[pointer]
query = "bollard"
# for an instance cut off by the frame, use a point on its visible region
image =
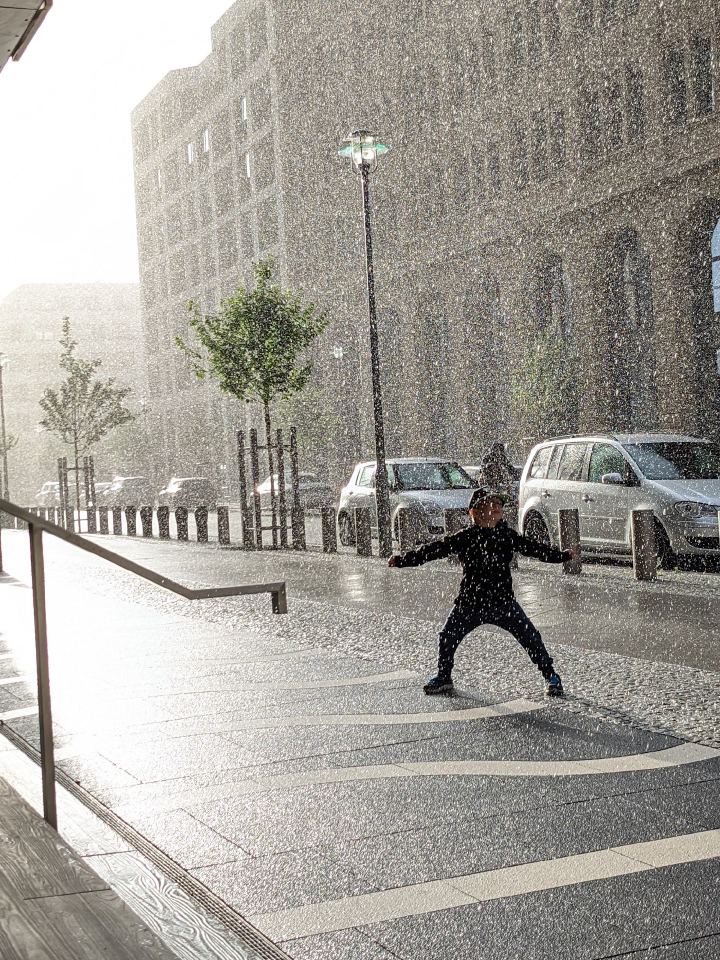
(456, 519)
(409, 524)
(181, 522)
(103, 511)
(146, 521)
(644, 546)
(131, 521)
(328, 520)
(117, 521)
(363, 532)
(569, 527)
(163, 515)
(297, 522)
(223, 523)
(91, 518)
(201, 524)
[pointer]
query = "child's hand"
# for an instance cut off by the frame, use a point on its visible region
(573, 553)
(392, 562)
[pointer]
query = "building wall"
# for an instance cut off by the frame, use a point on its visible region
(105, 321)
(553, 165)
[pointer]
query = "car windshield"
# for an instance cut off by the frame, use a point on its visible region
(431, 476)
(676, 460)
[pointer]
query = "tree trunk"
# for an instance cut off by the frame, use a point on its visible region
(77, 482)
(271, 464)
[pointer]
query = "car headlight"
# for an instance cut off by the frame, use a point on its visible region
(689, 510)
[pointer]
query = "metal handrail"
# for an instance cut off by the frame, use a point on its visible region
(36, 526)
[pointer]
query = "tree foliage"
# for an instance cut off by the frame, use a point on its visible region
(84, 408)
(544, 387)
(254, 345)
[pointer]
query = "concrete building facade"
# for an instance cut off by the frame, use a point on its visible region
(555, 172)
(105, 322)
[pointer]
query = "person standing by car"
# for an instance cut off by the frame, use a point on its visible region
(486, 596)
(498, 471)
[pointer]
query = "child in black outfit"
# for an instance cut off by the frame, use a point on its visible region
(486, 592)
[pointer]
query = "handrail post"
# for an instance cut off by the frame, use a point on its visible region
(47, 749)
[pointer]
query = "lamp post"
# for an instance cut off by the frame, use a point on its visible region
(363, 148)
(3, 436)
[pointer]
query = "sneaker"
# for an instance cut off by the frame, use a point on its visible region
(554, 687)
(438, 684)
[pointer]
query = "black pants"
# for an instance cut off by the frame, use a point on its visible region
(509, 616)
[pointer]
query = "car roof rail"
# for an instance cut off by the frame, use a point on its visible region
(580, 437)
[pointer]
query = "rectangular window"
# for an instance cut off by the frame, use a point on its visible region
(494, 173)
(518, 155)
(590, 124)
(702, 76)
(572, 463)
(190, 152)
(614, 124)
(557, 138)
(243, 109)
(634, 104)
(206, 140)
(246, 165)
(675, 86)
(158, 174)
(539, 145)
(534, 32)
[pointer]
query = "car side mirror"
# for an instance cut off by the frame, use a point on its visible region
(612, 478)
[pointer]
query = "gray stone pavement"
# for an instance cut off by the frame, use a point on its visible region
(293, 766)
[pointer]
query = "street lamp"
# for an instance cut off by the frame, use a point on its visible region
(4, 360)
(363, 148)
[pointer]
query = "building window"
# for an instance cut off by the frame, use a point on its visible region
(206, 140)
(488, 58)
(703, 92)
(539, 145)
(518, 155)
(494, 177)
(715, 252)
(607, 12)
(675, 86)
(158, 175)
(243, 109)
(590, 124)
(190, 152)
(534, 32)
(634, 104)
(557, 138)
(614, 121)
(552, 24)
(516, 40)
(584, 15)
(246, 165)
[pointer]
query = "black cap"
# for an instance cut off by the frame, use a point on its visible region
(483, 493)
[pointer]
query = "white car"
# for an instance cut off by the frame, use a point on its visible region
(606, 476)
(314, 492)
(427, 485)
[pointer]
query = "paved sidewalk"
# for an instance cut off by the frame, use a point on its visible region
(293, 766)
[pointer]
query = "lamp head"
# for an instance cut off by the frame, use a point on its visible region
(363, 148)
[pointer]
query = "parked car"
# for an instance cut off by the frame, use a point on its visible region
(128, 492)
(606, 476)
(49, 494)
(314, 492)
(101, 488)
(427, 485)
(188, 492)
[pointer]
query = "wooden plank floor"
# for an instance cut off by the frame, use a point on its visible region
(52, 905)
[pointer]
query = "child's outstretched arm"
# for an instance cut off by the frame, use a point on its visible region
(435, 550)
(531, 548)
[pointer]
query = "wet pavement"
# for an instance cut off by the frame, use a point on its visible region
(293, 766)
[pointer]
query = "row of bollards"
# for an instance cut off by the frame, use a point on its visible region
(409, 527)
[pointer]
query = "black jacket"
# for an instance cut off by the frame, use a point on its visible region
(486, 554)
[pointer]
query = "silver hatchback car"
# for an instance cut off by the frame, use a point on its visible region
(606, 476)
(427, 485)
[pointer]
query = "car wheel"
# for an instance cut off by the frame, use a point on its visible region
(345, 530)
(667, 558)
(536, 530)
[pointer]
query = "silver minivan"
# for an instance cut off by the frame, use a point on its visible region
(607, 476)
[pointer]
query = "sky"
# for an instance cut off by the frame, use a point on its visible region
(67, 208)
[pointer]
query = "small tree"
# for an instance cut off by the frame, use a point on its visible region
(253, 345)
(544, 387)
(84, 409)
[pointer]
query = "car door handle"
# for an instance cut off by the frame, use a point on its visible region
(587, 498)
